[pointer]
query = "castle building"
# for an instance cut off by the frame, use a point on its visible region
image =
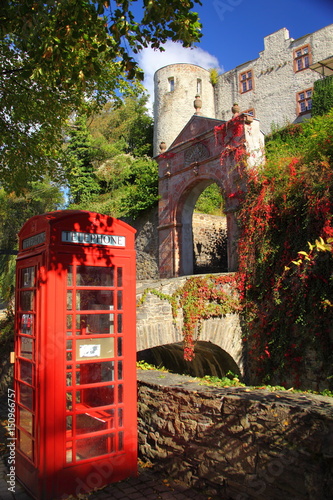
(276, 88)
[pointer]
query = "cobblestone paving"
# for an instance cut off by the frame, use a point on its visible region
(148, 485)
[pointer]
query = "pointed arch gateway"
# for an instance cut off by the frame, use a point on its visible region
(206, 151)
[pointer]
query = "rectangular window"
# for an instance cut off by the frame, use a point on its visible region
(95, 446)
(302, 58)
(304, 101)
(102, 300)
(171, 84)
(94, 324)
(94, 276)
(246, 81)
(199, 89)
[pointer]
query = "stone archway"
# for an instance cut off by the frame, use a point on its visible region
(210, 359)
(184, 215)
(205, 151)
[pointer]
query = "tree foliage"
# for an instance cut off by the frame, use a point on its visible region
(60, 56)
(109, 170)
(322, 100)
(210, 201)
(15, 210)
(81, 154)
(128, 123)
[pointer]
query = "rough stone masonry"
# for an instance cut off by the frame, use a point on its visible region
(238, 443)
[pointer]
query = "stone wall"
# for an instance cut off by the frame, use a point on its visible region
(209, 243)
(146, 244)
(173, 106)
(237, 443)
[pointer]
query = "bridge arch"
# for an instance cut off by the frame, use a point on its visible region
(156, 325)
(210, 359)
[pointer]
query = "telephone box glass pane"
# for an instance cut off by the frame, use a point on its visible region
(69, 300)
(120, 323)
(94, 299)
(120, 299)
(26, 371)
(69, 452)
(26, 324)
(94, 276)
(95, 446)
(28, 277)
(26, 396)
(69, 425)
(25, 419)
(120, 370)
(69, 353)
(120, 417)
(120, 393)
(26, 347)
(120, 346)
(91, 422)
(70, 276)
(121, 440)
(96, 396)
(119, 277)
(93, 373)
(26, 300)
(94, 324)
(25, 444)
(69, 400)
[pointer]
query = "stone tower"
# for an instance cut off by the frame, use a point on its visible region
(177, 86)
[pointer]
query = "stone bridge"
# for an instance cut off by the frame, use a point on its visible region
(159, 336)
(206, 151)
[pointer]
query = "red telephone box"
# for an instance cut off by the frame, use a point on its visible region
(75, 367)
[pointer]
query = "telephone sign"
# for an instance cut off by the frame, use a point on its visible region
(75, 370)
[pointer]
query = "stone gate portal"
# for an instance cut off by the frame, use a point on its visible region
(206, 151)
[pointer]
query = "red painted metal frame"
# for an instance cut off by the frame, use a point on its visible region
(47, 474)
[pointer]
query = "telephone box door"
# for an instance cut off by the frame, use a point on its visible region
(26, 364)
(99, 406)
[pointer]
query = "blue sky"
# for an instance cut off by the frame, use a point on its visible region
(233, 32)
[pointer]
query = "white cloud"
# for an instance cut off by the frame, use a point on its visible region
(151, 60)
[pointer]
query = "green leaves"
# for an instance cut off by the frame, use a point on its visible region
(57, 58)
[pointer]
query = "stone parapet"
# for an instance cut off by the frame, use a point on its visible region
(239, 443)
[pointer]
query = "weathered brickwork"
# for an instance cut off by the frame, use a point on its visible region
(241, 444)
(273, 93)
